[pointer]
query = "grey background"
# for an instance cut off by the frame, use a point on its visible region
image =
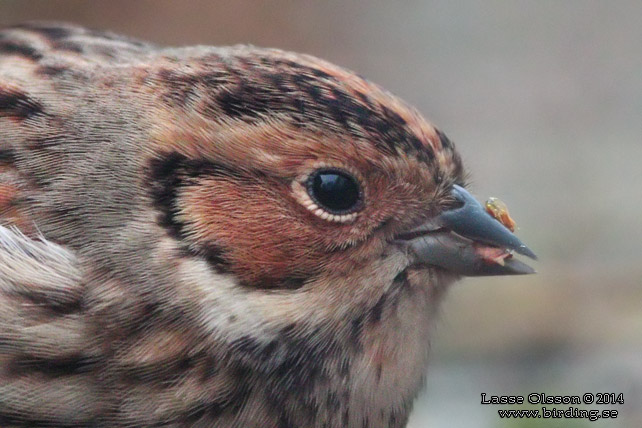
(544, 100)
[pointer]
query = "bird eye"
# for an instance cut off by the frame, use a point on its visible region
(335, 191)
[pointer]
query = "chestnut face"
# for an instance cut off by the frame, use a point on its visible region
(330, 171)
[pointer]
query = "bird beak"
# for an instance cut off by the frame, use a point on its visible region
(466, 240)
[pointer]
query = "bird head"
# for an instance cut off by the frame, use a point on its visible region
(286, 171)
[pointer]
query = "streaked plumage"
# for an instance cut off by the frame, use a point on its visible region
(164, 261)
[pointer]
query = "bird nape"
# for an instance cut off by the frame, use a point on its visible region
(220, 237)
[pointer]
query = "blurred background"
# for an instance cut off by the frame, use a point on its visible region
(544, 100)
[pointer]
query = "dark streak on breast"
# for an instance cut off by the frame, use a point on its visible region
(377, 309)
(7, 156)
(171, 369)
(55, 305)
(51, 70)
(11, 419)
(17, 104)
(52, 367)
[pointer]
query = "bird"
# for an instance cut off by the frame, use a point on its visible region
(220, 237)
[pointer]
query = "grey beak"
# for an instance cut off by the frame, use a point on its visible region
(458, 239)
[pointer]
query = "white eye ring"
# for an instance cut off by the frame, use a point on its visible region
(301, 194)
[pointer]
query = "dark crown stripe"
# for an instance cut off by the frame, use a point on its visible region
(261, 86)
(14, 48)
(445, 141)
(50, 32)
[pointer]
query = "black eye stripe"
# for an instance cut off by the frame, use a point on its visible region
(335, 191)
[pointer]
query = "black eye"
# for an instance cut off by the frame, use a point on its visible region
(335, 191)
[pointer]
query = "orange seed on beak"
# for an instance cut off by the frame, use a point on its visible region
(498, 209)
